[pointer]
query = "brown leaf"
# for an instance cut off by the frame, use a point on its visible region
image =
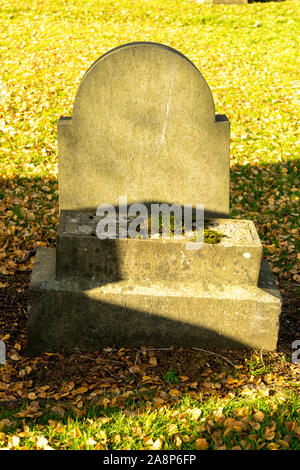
(201, 444)
(147, 441)
(80, 391)
(259, 416)
(283, 444)
(273, 446)
(153, 361)
(58, 410)
(67, 387)
(269, 434)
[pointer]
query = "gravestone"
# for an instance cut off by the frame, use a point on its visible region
(144, 126)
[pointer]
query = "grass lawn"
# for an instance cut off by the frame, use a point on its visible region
(140, 398)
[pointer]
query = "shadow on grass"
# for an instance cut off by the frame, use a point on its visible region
(252, 189)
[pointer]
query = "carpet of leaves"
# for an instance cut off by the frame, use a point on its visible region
(247, 53)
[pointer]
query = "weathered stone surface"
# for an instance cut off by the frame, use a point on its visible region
(144, 126)
(83, 314)
(236, 259)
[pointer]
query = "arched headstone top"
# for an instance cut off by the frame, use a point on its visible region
(144, 126)
(145, 69)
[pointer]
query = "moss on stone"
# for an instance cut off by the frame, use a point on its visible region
(211, 237)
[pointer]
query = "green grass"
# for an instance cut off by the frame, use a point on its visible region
(171, 377)
(248, 54)
(176, 427)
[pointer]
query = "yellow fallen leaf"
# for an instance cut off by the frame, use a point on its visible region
(284, 444)
(102, 435)
(91, 442)
(229, 422)
(146, 378)
(13, 442)
(75, 432)
(67, 387)
(31, 396)
(5, 337)
(117, 439)
(269, 434)
(158, 400)
(201, 444)
(195, 413)
(259, 416)
(172, 429)
(157, 444)
(273, 446)
(237, 428)
(147, 441)
(41, 442)
(80, 391)
(290, 426)
(271, 248)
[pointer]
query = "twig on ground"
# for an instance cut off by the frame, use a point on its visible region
(113, 375)
(215, 354)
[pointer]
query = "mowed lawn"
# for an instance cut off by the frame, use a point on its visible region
(248, 55)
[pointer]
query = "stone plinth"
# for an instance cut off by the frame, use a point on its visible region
(84, 314)
(236, 259)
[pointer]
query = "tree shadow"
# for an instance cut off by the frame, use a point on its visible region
(251, 186)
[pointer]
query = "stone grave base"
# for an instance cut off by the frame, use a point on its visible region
(80, 314)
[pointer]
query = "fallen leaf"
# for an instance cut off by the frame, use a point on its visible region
(58, 410)
(157, 444)
(259, 416)
(201, 444)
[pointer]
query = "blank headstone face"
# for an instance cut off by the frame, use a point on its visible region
(144, 126)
